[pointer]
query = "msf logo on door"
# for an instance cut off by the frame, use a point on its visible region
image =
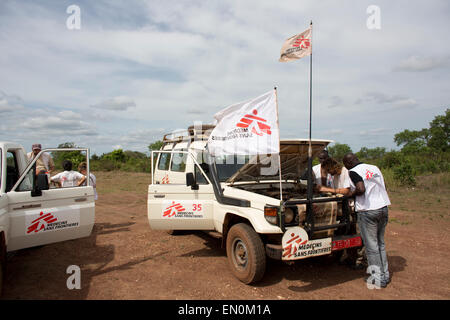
(173, 210)
(182, 209)
(256, 125)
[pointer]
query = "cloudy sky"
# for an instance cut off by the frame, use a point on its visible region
(135, 70)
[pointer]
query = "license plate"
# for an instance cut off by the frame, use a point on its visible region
(346, 243)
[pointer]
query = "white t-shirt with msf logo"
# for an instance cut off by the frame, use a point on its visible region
(375, 196)
(67, 178)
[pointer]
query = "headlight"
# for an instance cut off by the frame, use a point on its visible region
(288, 215)
(271, 214)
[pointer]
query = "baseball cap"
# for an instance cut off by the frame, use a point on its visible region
(36, 146)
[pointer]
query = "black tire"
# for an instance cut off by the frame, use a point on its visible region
(246, 254)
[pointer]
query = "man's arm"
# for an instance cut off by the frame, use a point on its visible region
(360, 189)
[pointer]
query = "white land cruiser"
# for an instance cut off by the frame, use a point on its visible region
(238, 199)
(32, 211)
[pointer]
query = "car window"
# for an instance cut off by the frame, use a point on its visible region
(178, 162)
(164, 161)
(12, 170)
(202, 161)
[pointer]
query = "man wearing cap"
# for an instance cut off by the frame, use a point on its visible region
(45, 161)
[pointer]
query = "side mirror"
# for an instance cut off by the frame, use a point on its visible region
(190, 181)
(40, 182)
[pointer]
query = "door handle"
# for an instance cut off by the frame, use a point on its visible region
(28, 206)
(80, 199)
(160, 195)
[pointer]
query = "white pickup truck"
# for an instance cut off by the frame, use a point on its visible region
(34, 213)
(237, 198)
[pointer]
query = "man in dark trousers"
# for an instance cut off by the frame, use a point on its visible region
(371, 201)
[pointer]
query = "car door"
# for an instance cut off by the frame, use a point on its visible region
(175, 206)
(58, 214)
(4, 219)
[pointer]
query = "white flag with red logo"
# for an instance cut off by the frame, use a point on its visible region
(297, 46)
(249, 127)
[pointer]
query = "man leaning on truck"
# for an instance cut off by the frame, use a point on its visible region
(45, 161)
(371, 203)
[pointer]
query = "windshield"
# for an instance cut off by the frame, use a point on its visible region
(258, 167)
(251, 168)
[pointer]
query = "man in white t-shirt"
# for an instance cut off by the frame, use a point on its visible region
(371, 205)
(340, 177)
(67, 178)
(321, 178)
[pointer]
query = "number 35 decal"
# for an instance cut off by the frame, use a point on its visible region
(197, 207)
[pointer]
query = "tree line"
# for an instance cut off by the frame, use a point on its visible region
(421, 152)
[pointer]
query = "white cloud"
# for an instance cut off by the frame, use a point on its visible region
(182, 61)
(420, 64)
(393, 101)
(120, 103)
(10, 103)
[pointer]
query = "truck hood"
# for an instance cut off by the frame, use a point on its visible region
(294, 162)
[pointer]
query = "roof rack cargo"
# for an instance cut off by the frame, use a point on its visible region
(194, 132)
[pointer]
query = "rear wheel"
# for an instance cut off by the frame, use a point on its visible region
(245, 252)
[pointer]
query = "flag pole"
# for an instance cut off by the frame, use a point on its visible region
(279, 157)
(310, 186)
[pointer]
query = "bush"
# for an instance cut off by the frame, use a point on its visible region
(404, 174)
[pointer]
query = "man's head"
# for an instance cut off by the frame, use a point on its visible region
(36, 148)
(67, 165)
(82, 168)
(350, 160)
(323, 155)
(332, 166)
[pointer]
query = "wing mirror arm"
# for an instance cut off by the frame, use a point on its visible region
(40, 182)
(35, 192)
(190, 181)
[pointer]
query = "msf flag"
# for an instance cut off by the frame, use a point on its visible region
(297, 47)
(249, 127)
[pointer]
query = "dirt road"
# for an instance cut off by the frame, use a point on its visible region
(125, 259)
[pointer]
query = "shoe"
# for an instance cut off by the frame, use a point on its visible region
(382, 285)
(358, 267)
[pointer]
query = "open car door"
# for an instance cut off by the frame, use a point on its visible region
(42, 214)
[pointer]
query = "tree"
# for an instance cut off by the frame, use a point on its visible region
(76, 157)
(440, 132)
(371, 154)
(339, 150)
(155, 145)
(436, 138)
(116, 155)
(412, 141)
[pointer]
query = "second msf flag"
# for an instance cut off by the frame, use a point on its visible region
(249, 127)
(296, 47)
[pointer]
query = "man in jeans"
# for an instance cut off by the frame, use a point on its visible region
(371, 203)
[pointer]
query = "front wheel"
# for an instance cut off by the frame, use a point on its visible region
(246, 254)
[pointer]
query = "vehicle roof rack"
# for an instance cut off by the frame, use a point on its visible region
(194, 132)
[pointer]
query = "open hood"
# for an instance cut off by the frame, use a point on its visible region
(294, 162)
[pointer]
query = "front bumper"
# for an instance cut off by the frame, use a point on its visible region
(276, 251)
